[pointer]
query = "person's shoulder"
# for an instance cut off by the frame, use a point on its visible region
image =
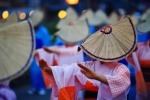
(141, 44)
(122, 66)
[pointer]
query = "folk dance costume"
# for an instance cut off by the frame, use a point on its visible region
(107, 46)
(70, 81)
(140, 60)
(143, 73)
(65, 54)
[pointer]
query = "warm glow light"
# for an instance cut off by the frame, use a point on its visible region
(62, 14)
(22, 16)
(31, 12)
(72, 2)
(5, 14)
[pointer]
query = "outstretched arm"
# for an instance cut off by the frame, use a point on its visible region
(36, 54)
(44, 66)
(92, 75)
(51, 50)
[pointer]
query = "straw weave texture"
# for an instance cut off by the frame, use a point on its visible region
(98, 18)
(113, 18)
(134, 19)
(144, 27)
(116, 45)
(86, 15)
(12, 18)
(145, 14)
(74, 33)
(36, 17)
(17, 44)
(70, 18)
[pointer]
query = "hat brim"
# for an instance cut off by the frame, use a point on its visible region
(75, 33)
(112, 47)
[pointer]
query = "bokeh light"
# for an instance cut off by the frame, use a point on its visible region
(72, 2)
(5, 14)
(22, 15)
(62, 14)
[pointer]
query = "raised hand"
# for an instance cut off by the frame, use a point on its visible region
(36, 54)
(92, 75)
(47, 49)
(87, 72)
(50, 50)
(44, 66)
(136, 48)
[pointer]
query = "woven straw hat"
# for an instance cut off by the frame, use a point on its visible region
(111, 43)
(134, 19)
(70, 18)
(86, 14)
(144, 16)
(36, 17)
(98, 18)
(144, 27)
(17, 46)
(74, 33)
(12, 18)
(113, 18)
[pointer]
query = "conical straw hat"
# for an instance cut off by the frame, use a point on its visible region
(86, 14)
(111, 43)
(134, 19)
(70, 18)
(101, 14)
(98, 18)
(144, 27)
(74, 33)
(12, 18)
(113, 18)
(37, 17)
(144, 16)
(17, 44)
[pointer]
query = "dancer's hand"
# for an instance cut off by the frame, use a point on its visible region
(44, 66)
(36, 54)
(87, 72)
(92, 75)
(50, 50)
(136, 48)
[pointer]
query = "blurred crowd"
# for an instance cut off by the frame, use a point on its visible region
(55, 22)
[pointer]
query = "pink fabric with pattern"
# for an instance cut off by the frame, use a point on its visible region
(68, 55)
(143, 53)
(117, 75)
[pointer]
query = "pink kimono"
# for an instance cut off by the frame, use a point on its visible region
(68, 55)
(142, 72)
(69, 81)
